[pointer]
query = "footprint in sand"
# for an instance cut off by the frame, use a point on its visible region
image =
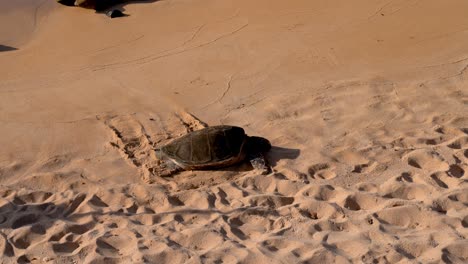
(272, 201)
(442, 180)
(314, 209)
(65, 248)
(277, 244)
(361, 201)
(465, 222)
(456, 171)
(367, 187)
(199, 239)
(320, 192)
(407, 216)
(25, 237)
(34, 197)
(407, 186)
(447, 130)
(5, 247)
(116, 243)
(324, 256)
(459, 143)
(445, 136)
(364, 168)
(405, 177)
(322, 171)
(456, 252)
(460, 196)
(80, 229)
(450, 177)
(331, 225)
(427, 160)
(430, 141)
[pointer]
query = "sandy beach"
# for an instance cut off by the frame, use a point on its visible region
(365, 103)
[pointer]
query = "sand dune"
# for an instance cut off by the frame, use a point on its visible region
(365, 103)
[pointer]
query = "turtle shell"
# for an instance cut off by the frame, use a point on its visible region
(211, 147)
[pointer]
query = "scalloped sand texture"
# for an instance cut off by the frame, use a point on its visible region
(365, 103)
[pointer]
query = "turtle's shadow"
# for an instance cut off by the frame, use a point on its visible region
(244, 166)
(278, 153)
(6, 48)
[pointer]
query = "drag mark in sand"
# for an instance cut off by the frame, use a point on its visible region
(121, 44)
(132, 140)
(200, 28)
(218, 100)
(445, 64)
(194, 47)
(227, 89)
(441, 36)
(135, 139)
(165, 54)
(382, 12)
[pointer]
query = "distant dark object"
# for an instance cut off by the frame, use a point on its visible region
(98, 5)
(6, 48)
(67, 2)
(115, 13)
(101, 5)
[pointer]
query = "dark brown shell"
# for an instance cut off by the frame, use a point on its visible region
(211, 147)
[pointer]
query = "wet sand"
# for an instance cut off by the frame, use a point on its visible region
(365, 103)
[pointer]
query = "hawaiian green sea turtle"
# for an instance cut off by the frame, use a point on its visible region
(212, 148)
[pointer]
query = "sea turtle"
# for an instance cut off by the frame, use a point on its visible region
(211, 148)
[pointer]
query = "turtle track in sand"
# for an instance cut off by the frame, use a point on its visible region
(136, 136)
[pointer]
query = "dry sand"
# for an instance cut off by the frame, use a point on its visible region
(365, 102)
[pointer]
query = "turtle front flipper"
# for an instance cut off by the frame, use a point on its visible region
(255, 148)
(259, 163)
(166, 167)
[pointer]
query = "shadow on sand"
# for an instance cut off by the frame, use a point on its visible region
(278, 153)
(272, 157)
(6, 48)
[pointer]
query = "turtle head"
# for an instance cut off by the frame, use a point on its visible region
(258, 145)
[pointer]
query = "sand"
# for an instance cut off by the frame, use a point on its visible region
(365, 103)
